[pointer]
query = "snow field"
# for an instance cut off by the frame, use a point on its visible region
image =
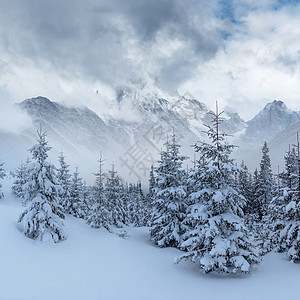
(93, 264)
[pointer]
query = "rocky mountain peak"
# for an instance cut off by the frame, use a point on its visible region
(39, 101)
(276, 105)
(274, 118)
(40, 108)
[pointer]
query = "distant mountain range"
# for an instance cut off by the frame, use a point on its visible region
(275, 124)
(273, 119)
(133, 143)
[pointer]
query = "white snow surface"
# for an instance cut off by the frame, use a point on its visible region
(93, 264)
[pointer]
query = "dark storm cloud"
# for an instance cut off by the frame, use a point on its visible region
(99, 39)
(148, 17)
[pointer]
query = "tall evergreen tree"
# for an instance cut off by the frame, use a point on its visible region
(21, 177)
(258, 220)
(278, 214)
(244, 183)
(150, 198)
(76, 205)
(151, 182)
(137, 208)
(2, 175)
(169, 194)
(285, 208)
(98, 215)
(253, 205)
(114, 192)
(217, 238)
(43, 216)
(63, 178)
(265, 183)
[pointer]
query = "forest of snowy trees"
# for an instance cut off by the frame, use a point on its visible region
(219, 215)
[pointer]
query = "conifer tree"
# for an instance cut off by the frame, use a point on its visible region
(98, 214)
(149, 201)
(144, 206)
(263, 194)
(114, 191)
(137, 209)
(253, 205)
(170, 193)
(2, 175)
(63, 178)
(286, 217)
(132, 205)
(285, 194)
(125, 202)
(258, 220)
(76, 205)
(151, 182)
(21, 176)
(217, 238)
(42, 218)
(86, 198)
(244, 182)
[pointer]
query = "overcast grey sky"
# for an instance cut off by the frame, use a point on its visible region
(243, 53)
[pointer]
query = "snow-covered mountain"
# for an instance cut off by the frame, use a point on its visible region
(133, 135)
(274, 118)
(277, 125)
(284, 141)
(70, 127)
(154, 111)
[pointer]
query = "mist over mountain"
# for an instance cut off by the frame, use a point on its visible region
(132, 138)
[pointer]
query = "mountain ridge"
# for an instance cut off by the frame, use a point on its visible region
(83, 133)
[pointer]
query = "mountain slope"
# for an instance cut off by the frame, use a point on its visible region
(274, 118)
(267, 126)
(132, 136)
(153, 109)
(74, 126)
(283, 141)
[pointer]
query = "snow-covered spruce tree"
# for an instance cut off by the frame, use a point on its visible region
(149, 199)
(63, 178)
(76, 205)
(258, 221)
(137, 209)
(251, 219)
(132, 205)
(279, 212)
(114, 194)
(21, 176)
(289, 238)
(86, 198)
(255, 186)
(125, 200)
(98, 215)
(169, 198)
(217, 239)
(144, 208)
(244, 184)
(42, 217)
(2, 175)
(151, 183)
(263, 193)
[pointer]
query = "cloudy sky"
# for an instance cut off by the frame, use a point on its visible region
(243, 53)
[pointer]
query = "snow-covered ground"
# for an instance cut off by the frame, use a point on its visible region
(93, 264)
